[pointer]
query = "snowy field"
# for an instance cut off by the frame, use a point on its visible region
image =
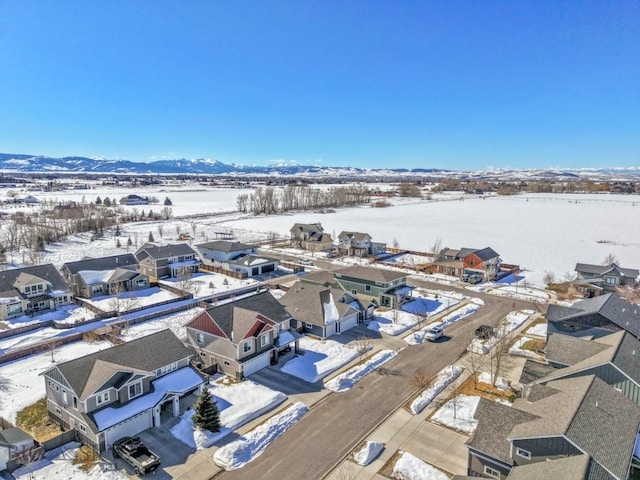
(238, 404)
(458, 413)
(409, 467)
(319, 360)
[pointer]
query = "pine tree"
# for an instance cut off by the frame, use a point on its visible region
(129, 242)
(98, 201)
(151, 239)
(118, 244)
(167, 201)
(206, 414)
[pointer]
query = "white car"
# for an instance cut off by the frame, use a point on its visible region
(304, 261)
(432, 334)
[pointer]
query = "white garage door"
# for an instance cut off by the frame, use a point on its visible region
(128, 428)
(349, 322)
(256, 363)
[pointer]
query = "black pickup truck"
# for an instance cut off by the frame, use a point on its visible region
(136, 454)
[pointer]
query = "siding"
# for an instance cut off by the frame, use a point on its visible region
(542, 449)
(612, 376)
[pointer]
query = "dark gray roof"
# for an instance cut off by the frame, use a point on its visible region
(164, 251)
(322, 277)
(569, 350)
(13, 436)
(532, 371)
(610, 307)
(306, 302)
(357, 236)
(371, 274)
(102, 263)
(225, 246)
(122, 274)
(226, 315)
(306, 227)
(46, 272)
(145, 354)
(604, 269)
(495, 422)
(569, 468)
(486, 254)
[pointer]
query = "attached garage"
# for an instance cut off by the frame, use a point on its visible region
(349, 322)
(128, 428)
(256, 363)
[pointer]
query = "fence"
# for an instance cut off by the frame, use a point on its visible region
(27, 328)
(228, 273)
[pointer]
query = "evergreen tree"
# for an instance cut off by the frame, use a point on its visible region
(117, 230)
(206, 414)
(129, 242)
(167, 201)
(107, 202)
(118, 244)
(98, 201)
(151, 239)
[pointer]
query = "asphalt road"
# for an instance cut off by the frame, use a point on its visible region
(337, 424)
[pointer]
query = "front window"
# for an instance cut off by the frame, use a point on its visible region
(367, 288)
(97, 289)
(491, 472)
(610, 280)
(135, 390)
(141, 283)
(102, 398)
(264, 340)
(200, 337)
(13, 309)
(65, 397)
(246, 346)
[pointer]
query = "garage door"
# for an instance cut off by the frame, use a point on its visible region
(128, 428)
(256, 363)
(349, 322)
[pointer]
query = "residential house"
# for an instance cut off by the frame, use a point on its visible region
(133, 199)
(320, 277)
(566, 418)
(30, 290)
(484, 262)
(241, 337)
(236, 257)
(359, 244)
(594, 280)
(387, 288)
(321, 311)
(122, 390)
(310, 236)
(105, 275)
(162, 261)
(594, 317)
(13, 443)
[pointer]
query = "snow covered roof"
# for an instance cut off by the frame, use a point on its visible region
(178, 382)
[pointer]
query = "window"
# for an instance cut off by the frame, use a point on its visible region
(141, 283)
(610, 280)
(102, 398)
(367, 288)
(491, 472)
(75, 402)
(135, 390)
(523, 453)
(65, 398)
(200, 337)
(82, 428)
(281, 327)
(308, 325)
(264, 340)
(354, 292)
(227, 363)
(97, 289)
(246, 346)
(13, 309)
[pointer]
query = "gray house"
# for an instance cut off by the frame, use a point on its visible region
(122, 390)
(162, 261)
(594, 280)
(567, 418)
(241, 337)
(102, 276)
(310, 236)
(386, 288)
(321, 311)
(236, 257)
(359, 244)
(594, 317)
(30, 290)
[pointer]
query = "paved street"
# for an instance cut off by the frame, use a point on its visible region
(339, 422)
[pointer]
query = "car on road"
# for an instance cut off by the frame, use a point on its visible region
(304, 261)
(432, 334)
(136, 454)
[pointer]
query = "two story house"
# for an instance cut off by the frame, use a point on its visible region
(241, 337)
(387, 288)
(30, 290)
(162, 261)
(236, 257)
(321, 311)
(310, 236)
(594, 280)
(101, 276)
(359, 244)
(122, 390)
(568, 428)
(484, 262)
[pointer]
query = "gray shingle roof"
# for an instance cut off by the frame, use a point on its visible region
(143, 354)
(102, 263)
(164, 251)
(305, 302)
(13, 436)
(569, 468)
(532, 371)
(357, 236)
(604, 269)
(225, 246)
(306, 227)
(322, 277)
(371, 274)
(569, 350)
(46, 272)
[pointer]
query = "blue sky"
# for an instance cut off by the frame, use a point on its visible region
(443, 84)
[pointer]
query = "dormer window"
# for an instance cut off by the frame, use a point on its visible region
(135, 390)
(610, 280)
(246, 346)
(102, 398)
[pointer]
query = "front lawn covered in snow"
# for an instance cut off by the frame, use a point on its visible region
(409, 467)
(133, 299)
(458, 413)
(238, 404)
(394, 322)
(345, 381)
(320, 358)
(250, 446)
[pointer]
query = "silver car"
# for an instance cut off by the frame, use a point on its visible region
(432, 334)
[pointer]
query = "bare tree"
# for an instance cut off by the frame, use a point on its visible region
(609, 259)
(184, 282)
(449, 396)
(121, 300)
(273, 238)
(194, 227)
(473, 363)
(630, 293)
(420, 379)
(549, 278)
(362, 346)
(51, 346)
(29, 457)
(160, 229)
(499, 350)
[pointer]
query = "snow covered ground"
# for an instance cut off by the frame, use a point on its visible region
(539, 329)
(132, 299)
(501, 383)
(444, 378)
(175, 322)
(409, 467)
(57, 465)
(458, 413)
(345, 381)
(319, 360)
(394, 322)
(516, 349)
(521, 293)
(368, 453)
(64, 314)
(20, 380)
(250, 446)
(238, 404)
(461, 313)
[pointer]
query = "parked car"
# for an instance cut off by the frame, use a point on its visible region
(304, 261)
(474, 279)
(432, 334)
(136, 454)
(484, 332)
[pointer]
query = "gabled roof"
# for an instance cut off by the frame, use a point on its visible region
(102, 263)
(532, 371)
(357, 236)
(237, 319)
(251, 261)
(321, 277)
(568, 350)
(486, 254)
(370, 274)
(306, 227)
(225, 246)
(610, 306)
(316, 304)
(164, 251)
(13, 436)
(604, 269)
(48, 272)
(144, 354)
(575, 467)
